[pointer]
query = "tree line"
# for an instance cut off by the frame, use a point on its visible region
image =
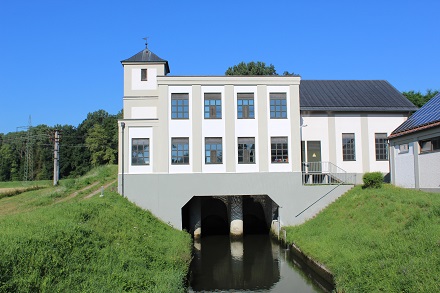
(92, 143)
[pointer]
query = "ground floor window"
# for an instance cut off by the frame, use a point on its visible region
(381, 145)
(213, 150)
(180, 151)
(278, 150)
(246, 150)
(140, 151)
(348, 147)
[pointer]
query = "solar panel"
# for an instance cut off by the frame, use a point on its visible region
(428, 114)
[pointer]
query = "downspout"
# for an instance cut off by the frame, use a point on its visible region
(123, 155)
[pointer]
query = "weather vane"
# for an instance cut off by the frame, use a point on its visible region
(146, 41)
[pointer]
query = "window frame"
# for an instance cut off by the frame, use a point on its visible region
(179, 151)
(144, 74)
(179, 106)
(213, 149)
(247, 152)
(381, 146)
(403, 148)
(279, 146)
(245, 106)
(433, 143)
(142, 154)
(212, 111)
(349, 154)
(278, 105)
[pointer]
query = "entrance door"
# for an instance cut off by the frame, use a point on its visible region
(314, 156)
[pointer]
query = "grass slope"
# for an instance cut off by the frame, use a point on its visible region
(100, 244)
(373, 240)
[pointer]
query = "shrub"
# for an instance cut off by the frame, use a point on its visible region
(373, 180)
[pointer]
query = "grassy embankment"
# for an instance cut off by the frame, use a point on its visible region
(374, 240)
(57, 239)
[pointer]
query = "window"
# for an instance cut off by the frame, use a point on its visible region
(180, 151)
(245, 106)
(278, 106)
(348, 147)
(213, 150)
(213, 106)
(278, 148)
(140, 151)
(403, 148)
(430, 145)
(144, 76)
(381, 144)
(179, 106)
(246, 150)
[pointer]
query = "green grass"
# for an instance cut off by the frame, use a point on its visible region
(20, 184)
(101, 244)
(385, 239)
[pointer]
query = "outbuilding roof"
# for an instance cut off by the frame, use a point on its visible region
(427, 116)
(352, 95)
(147, 56)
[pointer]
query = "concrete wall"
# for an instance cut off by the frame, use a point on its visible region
(415, 169)
(165, 194)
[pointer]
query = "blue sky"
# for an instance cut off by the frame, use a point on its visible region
(61, 59)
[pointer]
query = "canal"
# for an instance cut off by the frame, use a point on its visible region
(254, 264)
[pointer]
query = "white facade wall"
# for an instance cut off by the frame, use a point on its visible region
(279, 128)
(180, 128)
(214, 128)
(404, 166)
(429, 170)
(247, 128)
(141, 132)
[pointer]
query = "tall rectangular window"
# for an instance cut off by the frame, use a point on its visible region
(179, 106)
(213, 150)
(348, 147)
(245, 106)
(213, 106)
(144, 75)
(278, 149)
(140, 151)
(180, 151)
(278, 106)
(246, 150)
(381, 145)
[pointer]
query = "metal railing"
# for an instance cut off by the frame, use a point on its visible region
(325, 173)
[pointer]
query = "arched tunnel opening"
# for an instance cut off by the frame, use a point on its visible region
(211, 215)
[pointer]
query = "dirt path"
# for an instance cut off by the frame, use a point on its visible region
(99, 190)
(70, 196)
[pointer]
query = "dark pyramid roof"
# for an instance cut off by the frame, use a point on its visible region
(426, 117)
(147, 56)
(352, 95)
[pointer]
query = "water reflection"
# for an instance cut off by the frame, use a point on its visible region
(255, 264)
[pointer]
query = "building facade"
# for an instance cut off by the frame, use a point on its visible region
(415, 149)
(188, 143)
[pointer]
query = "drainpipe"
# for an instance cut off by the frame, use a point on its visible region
(123, 155)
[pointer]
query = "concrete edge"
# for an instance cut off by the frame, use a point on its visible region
(316, 267)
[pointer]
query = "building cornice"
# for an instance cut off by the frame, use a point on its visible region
(228, 80)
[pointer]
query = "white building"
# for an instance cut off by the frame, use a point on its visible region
(242, 143)
(415, 149)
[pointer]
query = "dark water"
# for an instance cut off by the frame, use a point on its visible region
(255, 264)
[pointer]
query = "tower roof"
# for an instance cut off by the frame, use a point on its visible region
(146, 56)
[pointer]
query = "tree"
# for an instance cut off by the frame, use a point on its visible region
(251, 68)
(99, 142)
(418, 98)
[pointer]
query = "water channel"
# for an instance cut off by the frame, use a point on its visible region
(255, 264)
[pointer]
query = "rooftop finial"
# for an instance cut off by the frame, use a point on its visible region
(146, 42)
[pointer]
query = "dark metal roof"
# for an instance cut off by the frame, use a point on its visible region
(426, 117)
(352, 95)
(147, 56)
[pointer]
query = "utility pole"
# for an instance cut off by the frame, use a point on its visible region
(56, 157)
(28, 155)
